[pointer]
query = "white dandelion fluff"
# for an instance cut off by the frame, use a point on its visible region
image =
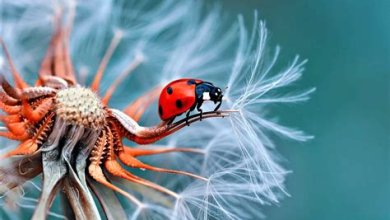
(171, 40)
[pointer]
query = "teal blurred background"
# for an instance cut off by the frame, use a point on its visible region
(344, 173)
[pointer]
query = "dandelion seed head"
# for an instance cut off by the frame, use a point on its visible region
(80, 106)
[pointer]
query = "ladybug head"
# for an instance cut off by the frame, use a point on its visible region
(216, 94)
(208, 92)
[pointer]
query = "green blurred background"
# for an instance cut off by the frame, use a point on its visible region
(344, 173)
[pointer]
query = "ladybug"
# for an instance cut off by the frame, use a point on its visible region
(184, 95)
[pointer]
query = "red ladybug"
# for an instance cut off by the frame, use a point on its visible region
(184, 95)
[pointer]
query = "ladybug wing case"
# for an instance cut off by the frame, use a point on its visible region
(177, 97)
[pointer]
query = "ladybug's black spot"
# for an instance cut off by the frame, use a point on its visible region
(160, 110)
(191, 82)
(169, 90)
(179, 104)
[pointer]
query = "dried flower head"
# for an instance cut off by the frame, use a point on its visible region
(73, 140)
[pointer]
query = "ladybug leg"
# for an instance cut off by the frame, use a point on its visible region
(199, 109)
(171, 120)
(187, 117)
(188, 114)
(201, 113)
(218, 106)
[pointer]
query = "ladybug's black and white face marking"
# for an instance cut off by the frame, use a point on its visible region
(216, 94)
(208, 92)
